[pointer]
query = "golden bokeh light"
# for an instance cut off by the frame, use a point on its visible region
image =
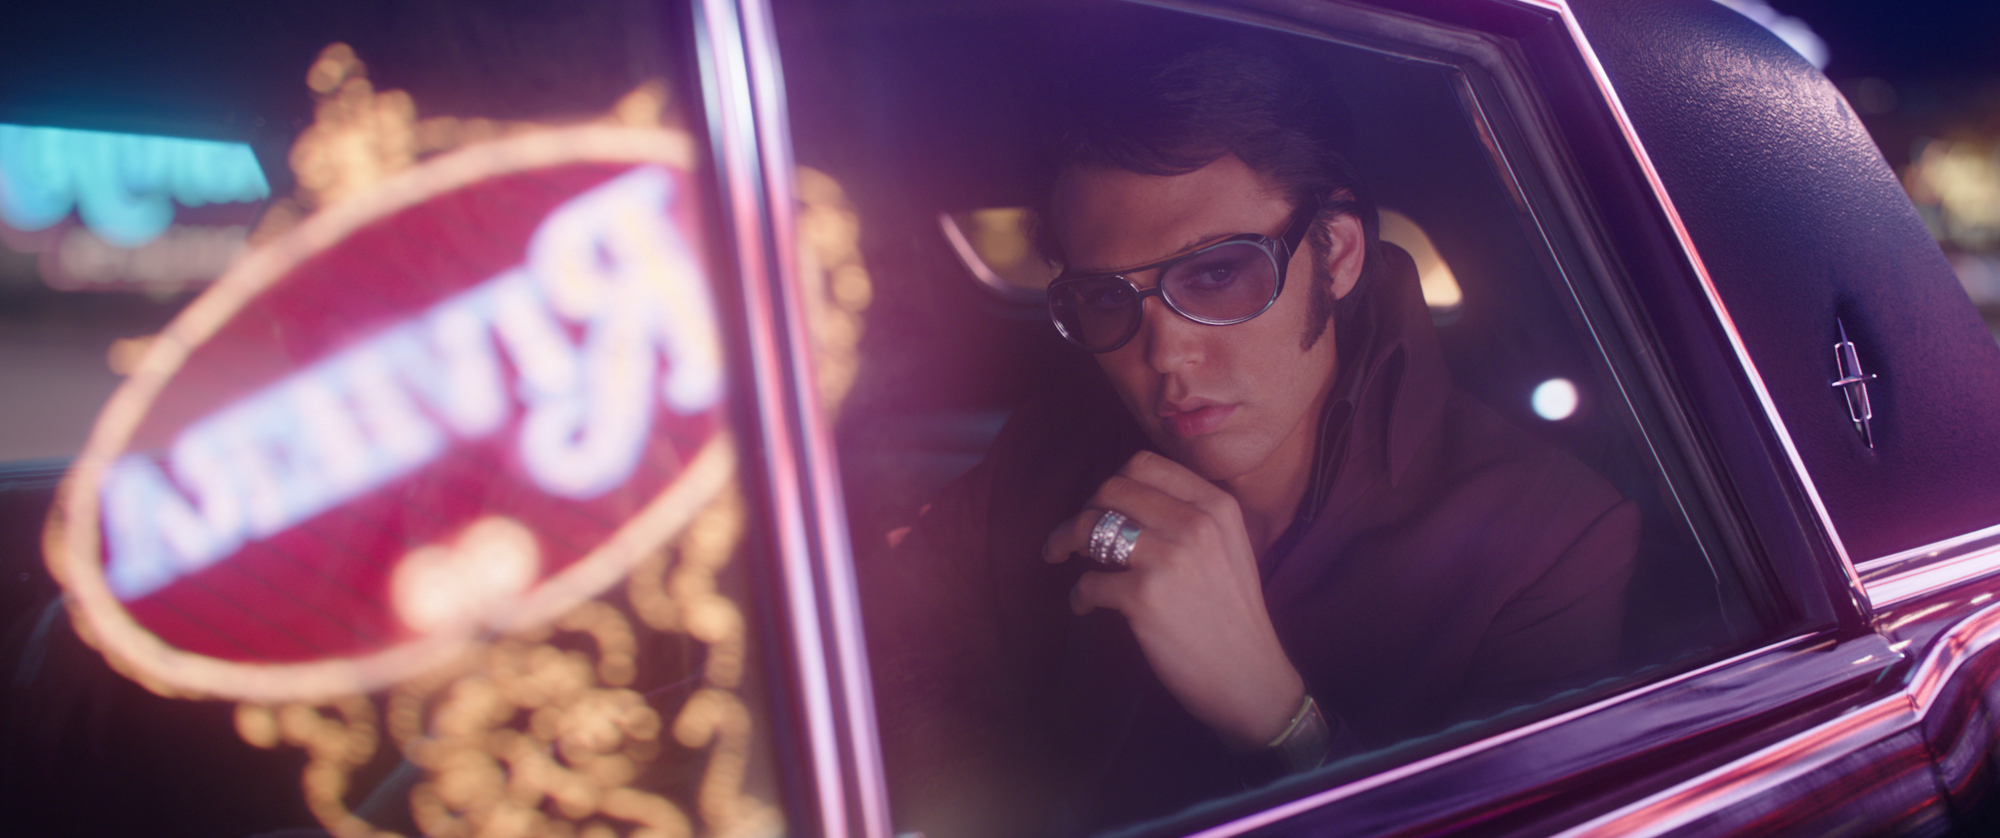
(532, 735)
(334, 744)
(124, 354)
(1441, 291)
(1001, 237)
(997, 245)
(834, 283)
(441, 587)
(542, 732)
(360, 136)
(1959, 181)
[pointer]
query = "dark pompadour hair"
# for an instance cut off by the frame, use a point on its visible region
(1254, 95)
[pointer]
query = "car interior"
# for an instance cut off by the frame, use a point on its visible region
(919, 115)
(924, 115)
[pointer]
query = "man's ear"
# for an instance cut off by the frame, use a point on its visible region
(1346, 252)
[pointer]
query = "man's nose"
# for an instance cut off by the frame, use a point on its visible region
(1171, 342)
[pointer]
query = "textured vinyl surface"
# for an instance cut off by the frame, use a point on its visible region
(1800, 221)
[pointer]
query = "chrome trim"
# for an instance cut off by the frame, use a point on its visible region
(860, 754)
(1686, 241)
(1797, 756)
(1732, 783)
(1753, 775)
(731, 111)
(1932, 567)
(1854, 384)
(1910, 584)
(1933, 549)
(1983, 628)
(1373, 781)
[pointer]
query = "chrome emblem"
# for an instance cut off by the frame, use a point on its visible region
(1854, 383)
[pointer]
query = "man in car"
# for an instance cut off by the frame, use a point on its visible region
(1276, 535)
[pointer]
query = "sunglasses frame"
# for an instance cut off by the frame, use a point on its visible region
(1279, 251)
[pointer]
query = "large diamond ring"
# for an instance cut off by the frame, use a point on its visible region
(1112, 540)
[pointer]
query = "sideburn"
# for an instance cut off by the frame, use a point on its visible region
(1322, 305)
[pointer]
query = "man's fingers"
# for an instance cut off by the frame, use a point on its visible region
(1172, 478)
(1070, 536)
(1143, 502)
(1098, 589)
(1152, 491)
(1073, 536)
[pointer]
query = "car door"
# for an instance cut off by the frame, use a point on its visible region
(1700, 224)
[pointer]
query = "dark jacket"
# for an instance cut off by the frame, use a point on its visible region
(1444, 565)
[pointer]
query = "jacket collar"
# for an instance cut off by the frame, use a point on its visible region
(1389, 398)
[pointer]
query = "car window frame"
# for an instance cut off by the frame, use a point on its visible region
(841, 788)
(1781, 522)
(1732, 450)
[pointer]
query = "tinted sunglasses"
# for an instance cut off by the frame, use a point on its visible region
(1218, 284)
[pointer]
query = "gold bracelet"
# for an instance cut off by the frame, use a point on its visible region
(1307, 739)
(1305, 706)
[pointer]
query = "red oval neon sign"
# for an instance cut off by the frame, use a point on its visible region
(465, 402)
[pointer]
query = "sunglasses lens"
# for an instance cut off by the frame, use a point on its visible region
(1228, 283)
(1096, 313)
(1225, 284)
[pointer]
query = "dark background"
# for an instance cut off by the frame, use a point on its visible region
(1924, 75)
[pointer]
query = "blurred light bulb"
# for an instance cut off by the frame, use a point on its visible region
(1554, 399)
(1441, 292)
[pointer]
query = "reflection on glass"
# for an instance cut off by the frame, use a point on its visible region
(834, 284)
(123, 212)
(124, 186)
(1441, 291)
(1028, 677)
(488, 452)
(181, 255)
(1554, 399)
(997, 245)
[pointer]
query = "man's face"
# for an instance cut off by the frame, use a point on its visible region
(1228, 402)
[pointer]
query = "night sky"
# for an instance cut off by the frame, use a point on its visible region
(1941, 59)
(1905, 40)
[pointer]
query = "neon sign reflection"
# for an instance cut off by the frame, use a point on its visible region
(607, 263)
(124, 186)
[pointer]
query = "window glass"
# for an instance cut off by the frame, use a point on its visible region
(401, 410)
(1452, 511)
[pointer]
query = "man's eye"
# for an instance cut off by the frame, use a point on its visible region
(1211, 277)
(1208, 277)
(1107, 296)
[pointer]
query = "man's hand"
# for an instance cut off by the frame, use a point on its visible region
(1193, 597)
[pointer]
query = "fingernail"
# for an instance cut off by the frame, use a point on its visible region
(1076, 600)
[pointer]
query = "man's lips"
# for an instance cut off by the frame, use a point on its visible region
(1194, 419)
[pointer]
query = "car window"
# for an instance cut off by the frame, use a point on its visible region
(975, 430)
(423, 503)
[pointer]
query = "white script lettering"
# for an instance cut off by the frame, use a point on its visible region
(608, 263)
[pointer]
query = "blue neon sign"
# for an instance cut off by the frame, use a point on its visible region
(124, 186)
